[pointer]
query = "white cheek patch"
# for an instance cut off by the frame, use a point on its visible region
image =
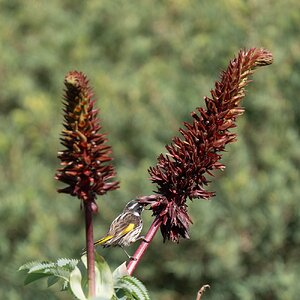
(136, 213)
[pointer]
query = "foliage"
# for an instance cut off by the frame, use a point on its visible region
(150, 63)
(73, 276)
(55, 271)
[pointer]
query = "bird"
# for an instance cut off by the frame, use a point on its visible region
(125, 228)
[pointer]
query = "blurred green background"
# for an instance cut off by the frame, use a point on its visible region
(150, 63)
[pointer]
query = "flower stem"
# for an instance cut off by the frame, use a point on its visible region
(201, 291)
(90, 248)
(143, 246)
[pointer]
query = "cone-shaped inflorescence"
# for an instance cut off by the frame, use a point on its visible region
(182, 172)
(85, 161)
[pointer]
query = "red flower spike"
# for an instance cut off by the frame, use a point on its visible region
(84, 162)
(181, 173)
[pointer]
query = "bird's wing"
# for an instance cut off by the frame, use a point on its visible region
(121, 228)
(116, 230)
(103, 240)
(127, 229)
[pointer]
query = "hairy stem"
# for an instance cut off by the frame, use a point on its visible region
(143, 246)
(90, 248)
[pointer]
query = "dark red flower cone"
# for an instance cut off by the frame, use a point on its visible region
(85, 161)
(183, 172)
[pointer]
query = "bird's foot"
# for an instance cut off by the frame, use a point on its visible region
(144, 239)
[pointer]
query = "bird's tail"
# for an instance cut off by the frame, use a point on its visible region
(99, 242)
(103, 240)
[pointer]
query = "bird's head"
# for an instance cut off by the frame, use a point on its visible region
(135, 207)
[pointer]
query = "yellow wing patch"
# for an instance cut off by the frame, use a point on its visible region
(103, 240)
(109, 237)
(127, 229)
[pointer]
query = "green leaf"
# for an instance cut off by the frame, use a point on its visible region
(133, 286)
(42, 267)
(31, 277)
(54, 270)
(28, 265)
(105, 298)
(75, 284)
(104, 278)
(120, 271)
(84, 260)
(82, 266)
(36, 265)
(52, 280)
(67, 262)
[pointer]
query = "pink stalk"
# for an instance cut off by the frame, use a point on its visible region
(143, 246)
(90, 248)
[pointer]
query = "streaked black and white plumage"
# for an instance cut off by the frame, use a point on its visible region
(125, 228)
